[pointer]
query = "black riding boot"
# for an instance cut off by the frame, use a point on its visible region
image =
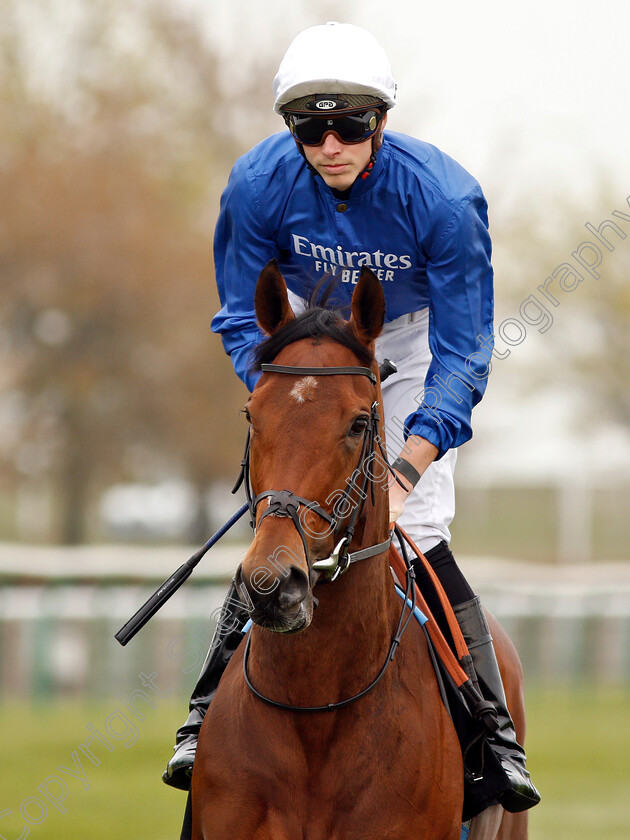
(522, 794)
(226, 639)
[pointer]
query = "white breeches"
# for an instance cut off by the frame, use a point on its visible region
(430, 507)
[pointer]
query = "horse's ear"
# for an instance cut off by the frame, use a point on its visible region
(368, 307)
(271, 300)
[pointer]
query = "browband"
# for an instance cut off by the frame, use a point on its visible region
(319, 371)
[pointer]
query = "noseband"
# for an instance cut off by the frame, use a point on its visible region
(285, 503)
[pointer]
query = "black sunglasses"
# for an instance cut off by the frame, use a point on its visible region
(349, 128)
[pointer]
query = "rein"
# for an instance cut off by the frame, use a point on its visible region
(409, 601)
(286, 503)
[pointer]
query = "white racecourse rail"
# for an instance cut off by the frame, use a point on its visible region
(60, 608)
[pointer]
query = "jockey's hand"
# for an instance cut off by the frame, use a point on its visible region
(420, 453)
(397, 499)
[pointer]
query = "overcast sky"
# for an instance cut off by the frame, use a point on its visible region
(537, 93)
(529, 97)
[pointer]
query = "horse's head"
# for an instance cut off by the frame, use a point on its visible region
(313, 440)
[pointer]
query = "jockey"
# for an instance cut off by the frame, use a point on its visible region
(334, 193)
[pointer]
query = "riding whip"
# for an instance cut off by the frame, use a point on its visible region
(172, 584)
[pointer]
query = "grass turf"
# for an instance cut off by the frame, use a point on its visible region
(578, 746)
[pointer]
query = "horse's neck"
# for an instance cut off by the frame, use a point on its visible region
(359, 606)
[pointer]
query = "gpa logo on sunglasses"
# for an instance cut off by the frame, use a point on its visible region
(325, 104)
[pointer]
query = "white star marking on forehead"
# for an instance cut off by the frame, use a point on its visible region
(304, 389)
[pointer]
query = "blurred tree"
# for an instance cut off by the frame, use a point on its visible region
(110, 170)
(600, 360)
(119, 126)
(572, 361)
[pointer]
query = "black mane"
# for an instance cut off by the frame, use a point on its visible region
(315, 322)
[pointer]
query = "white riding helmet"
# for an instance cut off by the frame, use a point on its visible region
(334, 58)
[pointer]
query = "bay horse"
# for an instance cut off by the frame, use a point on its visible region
(317, 731)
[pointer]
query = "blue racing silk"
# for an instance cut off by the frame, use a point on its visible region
(419, 221)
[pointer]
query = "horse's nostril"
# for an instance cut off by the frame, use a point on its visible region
(293, 590)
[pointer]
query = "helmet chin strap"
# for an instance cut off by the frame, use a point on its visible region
(368, 169)
(377, 142)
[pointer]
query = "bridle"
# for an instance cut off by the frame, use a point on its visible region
(285, 503)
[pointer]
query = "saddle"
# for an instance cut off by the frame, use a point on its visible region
(474, 721)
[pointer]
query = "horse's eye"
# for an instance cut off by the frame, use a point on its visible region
(359, 426)
(248, 417)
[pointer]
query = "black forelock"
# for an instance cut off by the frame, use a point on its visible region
(317, 321)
